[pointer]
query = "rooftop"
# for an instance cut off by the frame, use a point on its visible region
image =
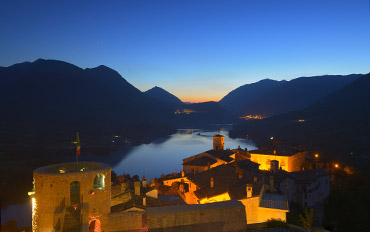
(221, 154)
(72, 167)
(226, 179)
(185, 208)
(308, 175)
(202, 161)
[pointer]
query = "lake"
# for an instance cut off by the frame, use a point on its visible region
(162, 156)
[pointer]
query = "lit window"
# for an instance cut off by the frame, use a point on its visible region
(99, 181)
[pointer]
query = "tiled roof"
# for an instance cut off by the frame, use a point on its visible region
(226, 180)
(221, 154)
(284, 150)
(308, 175)
(137, 201)
(201, 161)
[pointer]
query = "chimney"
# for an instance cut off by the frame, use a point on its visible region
(152, 182)
(274, 166)
(144, 201)
(123, 187)
(240, 174)
(272, 188)
(274, 151)
(181, 188)
(249, 189)
(137, 186)
(212, 182)
(182, 173)
(144, 182)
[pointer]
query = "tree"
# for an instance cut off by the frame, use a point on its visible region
(307, 219)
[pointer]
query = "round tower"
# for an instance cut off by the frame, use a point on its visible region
(218, 142)
(70, 197)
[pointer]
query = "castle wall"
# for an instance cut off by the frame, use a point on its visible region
(296, 162)
(127, 221)
(251, 209)
(220, 216)
(52, 197)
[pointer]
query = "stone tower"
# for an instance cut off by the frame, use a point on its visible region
(70, 198)
(218, 142)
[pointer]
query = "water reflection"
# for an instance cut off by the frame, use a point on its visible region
(166, 156)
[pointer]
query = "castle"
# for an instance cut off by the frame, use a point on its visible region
(69, 197)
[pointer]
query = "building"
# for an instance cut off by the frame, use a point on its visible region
(242, 181)
(212, 158)
(290, 159)
(69, 197)
(312, 187)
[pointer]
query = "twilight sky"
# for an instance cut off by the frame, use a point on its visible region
(197, 50)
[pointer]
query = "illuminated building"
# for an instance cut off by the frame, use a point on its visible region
(69, 198)
(290, 160)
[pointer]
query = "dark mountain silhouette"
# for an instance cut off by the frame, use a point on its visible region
(49, 95)
(199, 114)
(296, 94)
(240, 97)
(163, 95)
(336, 125)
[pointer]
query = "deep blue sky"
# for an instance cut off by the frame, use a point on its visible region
(198, 50)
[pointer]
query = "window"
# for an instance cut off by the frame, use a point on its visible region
(99, 182)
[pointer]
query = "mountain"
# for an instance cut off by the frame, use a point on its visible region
(336, 125)
(202, 114)
(240, 97)
(296, 94)
(50, 95)
(163, 95)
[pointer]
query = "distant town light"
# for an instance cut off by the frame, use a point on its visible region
(316, 155)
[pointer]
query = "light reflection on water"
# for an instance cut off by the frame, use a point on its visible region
(155, 158)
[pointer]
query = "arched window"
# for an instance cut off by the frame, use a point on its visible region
(75, 192)
(95, 226)
(99, 182)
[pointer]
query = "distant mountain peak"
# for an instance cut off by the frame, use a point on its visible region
(163, 95)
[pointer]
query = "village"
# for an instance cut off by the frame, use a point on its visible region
(217, 190)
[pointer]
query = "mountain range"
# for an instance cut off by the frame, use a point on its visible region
(55, 96)
(337, 125)
(269, 97)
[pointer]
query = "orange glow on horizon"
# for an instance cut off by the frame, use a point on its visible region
(199, 99)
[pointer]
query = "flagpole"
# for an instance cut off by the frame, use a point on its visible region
(78, 147)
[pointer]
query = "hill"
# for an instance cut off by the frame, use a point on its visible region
(337, 125)
(203, 114)
(239, 98)
(163, 95)
(50, 96)
(296, 94)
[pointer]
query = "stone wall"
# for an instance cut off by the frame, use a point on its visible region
(127, 221)
(52, 196)
(296, 161)
(220, 216)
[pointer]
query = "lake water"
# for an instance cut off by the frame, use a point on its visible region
(162, 156)
(165, 156)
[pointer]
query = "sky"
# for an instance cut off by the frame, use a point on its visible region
(197, 50)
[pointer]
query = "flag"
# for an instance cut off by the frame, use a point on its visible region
(78, 145)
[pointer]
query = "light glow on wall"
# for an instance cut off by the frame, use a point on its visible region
(34, 214)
